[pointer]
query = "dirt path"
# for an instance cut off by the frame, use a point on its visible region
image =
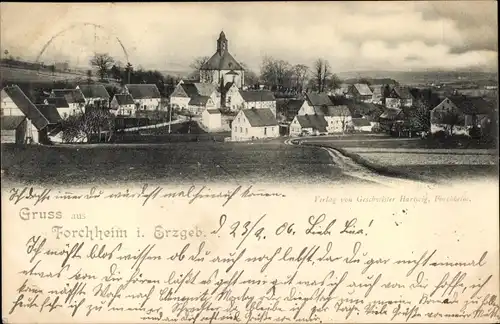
(356, 170)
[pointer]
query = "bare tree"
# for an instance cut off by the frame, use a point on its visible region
(196, 65)
(321, 73)
(300, 72)
(251, 78)
(103, 63)
(276, 72)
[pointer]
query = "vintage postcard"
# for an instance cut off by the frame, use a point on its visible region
(250, 162)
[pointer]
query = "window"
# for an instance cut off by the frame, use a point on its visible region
(246, 130)
(241, 129)
(265, 131)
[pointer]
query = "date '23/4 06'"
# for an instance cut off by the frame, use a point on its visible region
(245, 229)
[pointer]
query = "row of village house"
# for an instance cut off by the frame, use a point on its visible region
(256, 111)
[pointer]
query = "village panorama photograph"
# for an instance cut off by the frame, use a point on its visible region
(305, 93)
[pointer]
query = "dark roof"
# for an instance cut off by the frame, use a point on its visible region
(124, 99)
(363, 89)
(359, 122)
(292, 107)
(365, 108)
(213, 111)
(318, 99)
(59, 102)
(259, 95)
(50, 113)
(143, 91)
(317, 122)
(336, 111)
(260, 117)
(94, 91)
(222, 61)
(402, 92)
(71, 95)
(390, 113)
(473, 105)
(26, 106)
(11, 122)
(198, 100)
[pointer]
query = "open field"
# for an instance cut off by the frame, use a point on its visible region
(171, 163)
(416, 158)
(12, 74)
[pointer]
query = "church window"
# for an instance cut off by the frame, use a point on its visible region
(265, 131)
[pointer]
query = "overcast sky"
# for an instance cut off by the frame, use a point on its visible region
(353, 36)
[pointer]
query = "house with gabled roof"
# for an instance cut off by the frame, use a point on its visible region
(458, 114)
(250, 124)
(316, 103)
(123, 104)
(74, 97)
(95, 94)
(146, 96)
(308, 124)
(293, 106)
(25, 122)
(222, 67)
(259, 99)
(195, 97)
(212, 119)
(360, 92)
(399, 97)
(231, 98)
(61, 105)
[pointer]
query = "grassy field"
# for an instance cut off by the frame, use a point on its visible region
(169, 163)
(429, 159)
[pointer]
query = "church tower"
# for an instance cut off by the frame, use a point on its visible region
(222, 43)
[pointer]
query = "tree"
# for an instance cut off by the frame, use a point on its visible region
(95, 121)
(251, 78)
(276, 73)
(89, 76)
(321, 73)
(103, 63)
(300, 72)
(196, 66)
(128, 70)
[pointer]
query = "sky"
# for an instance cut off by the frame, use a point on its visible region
(352, 36)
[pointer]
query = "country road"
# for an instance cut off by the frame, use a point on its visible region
(356, 170)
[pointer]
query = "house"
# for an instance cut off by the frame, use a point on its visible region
(308, 124)
(146, 96)
(212, 119)
(293, 107)
(254, 123)
(316, 104)
(95, 94)
(341, 91)
(61, 105)
(25, 123)
(389, 117)
(378, 93)
(361, 125)
(360, 92)
(333, 108)
(399, 97)
(222, 67)
(54, 121)
(231, 97)
(123, 104)
(195, 97)
(260, 99)
(457, 114)
(74, 97)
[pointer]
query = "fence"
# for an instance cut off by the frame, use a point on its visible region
(167, 138)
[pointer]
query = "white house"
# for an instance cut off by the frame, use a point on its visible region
(61, 105)
(361, 125)
(95, 94)
(231, 97)
(254, 123)
(146, 96)
(335, 111)
(123, 104)
(222, 67)
(193, 96)
(308, 124)
(457, 114)
(212, 119)
(74, 97)
(259, 99)
(338, 118)
(23, 121)
(399, 97)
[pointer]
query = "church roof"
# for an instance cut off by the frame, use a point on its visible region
(222, 61)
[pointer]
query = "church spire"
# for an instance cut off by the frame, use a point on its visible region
(222, 43)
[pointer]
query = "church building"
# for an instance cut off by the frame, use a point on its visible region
(222, 68)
